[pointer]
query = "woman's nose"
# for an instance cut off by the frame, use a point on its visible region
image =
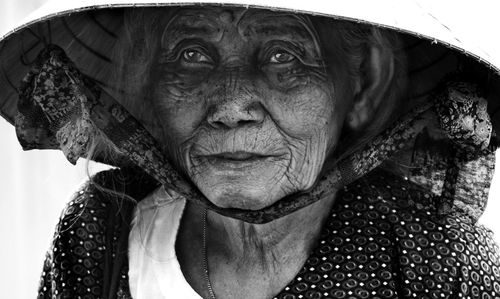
(236, 111)
(235, 101)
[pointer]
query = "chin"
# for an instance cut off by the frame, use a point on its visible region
(247, 186)
(247, 199)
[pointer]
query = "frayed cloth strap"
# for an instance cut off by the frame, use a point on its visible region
(463, 116)
(60, 108)
(53, 110)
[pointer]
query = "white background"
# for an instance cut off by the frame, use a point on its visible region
(34, 187)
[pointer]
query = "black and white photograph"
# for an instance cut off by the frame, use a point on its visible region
(249, 149)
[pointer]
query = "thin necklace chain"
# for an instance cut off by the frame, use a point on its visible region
(205, 257)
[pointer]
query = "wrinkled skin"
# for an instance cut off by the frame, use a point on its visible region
(246, 108)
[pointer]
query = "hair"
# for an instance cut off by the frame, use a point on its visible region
(137, 47)
(134, 55)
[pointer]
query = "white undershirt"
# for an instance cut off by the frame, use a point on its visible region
(154, 271)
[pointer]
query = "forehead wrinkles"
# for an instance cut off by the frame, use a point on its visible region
(208, 23)
(191, 23)
(282, 25)
(268, 23)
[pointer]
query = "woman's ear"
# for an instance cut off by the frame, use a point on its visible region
(376, 74)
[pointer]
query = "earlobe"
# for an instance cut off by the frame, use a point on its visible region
(376, 74)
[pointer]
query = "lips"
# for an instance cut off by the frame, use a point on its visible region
(237, 161)
(238, 156)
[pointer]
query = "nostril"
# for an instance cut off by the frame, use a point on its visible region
(232, 115)
(244, 122)
(231, 122)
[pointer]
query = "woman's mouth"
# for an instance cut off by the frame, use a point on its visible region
(239, 160)
(238, 156)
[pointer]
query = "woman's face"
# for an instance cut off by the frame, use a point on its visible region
(245, 106)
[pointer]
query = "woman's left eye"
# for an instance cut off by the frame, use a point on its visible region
(281, 57)
(195, 56)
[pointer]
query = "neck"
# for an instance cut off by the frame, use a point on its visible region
(248, 260)
(272, 244)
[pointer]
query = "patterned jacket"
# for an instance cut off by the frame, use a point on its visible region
(385, 238)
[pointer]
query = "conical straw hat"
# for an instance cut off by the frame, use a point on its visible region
(87, 31)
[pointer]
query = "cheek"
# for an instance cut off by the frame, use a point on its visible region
(311, 121)
(178, 115)
(179, 102)
(306, 113)
(301, 101)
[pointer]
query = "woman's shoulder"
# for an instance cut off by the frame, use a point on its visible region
(114, 190)
(388, 236)
(394, 203)
(86, 246)
(384, 193)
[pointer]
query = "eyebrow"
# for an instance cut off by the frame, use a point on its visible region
(206, 30)
(188, 26)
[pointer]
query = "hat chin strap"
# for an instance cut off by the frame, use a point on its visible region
(81, 111)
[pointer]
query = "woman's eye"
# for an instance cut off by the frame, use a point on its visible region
(195, 56)
(281, 57)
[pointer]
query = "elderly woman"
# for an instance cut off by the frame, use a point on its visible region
(247, 108)
(260, 174)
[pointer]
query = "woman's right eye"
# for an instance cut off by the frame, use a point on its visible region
(195, 56)
(281, 57)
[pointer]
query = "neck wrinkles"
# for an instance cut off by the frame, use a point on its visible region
(281, 239)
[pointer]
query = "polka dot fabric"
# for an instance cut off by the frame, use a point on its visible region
(73, 267)
(384, 239)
